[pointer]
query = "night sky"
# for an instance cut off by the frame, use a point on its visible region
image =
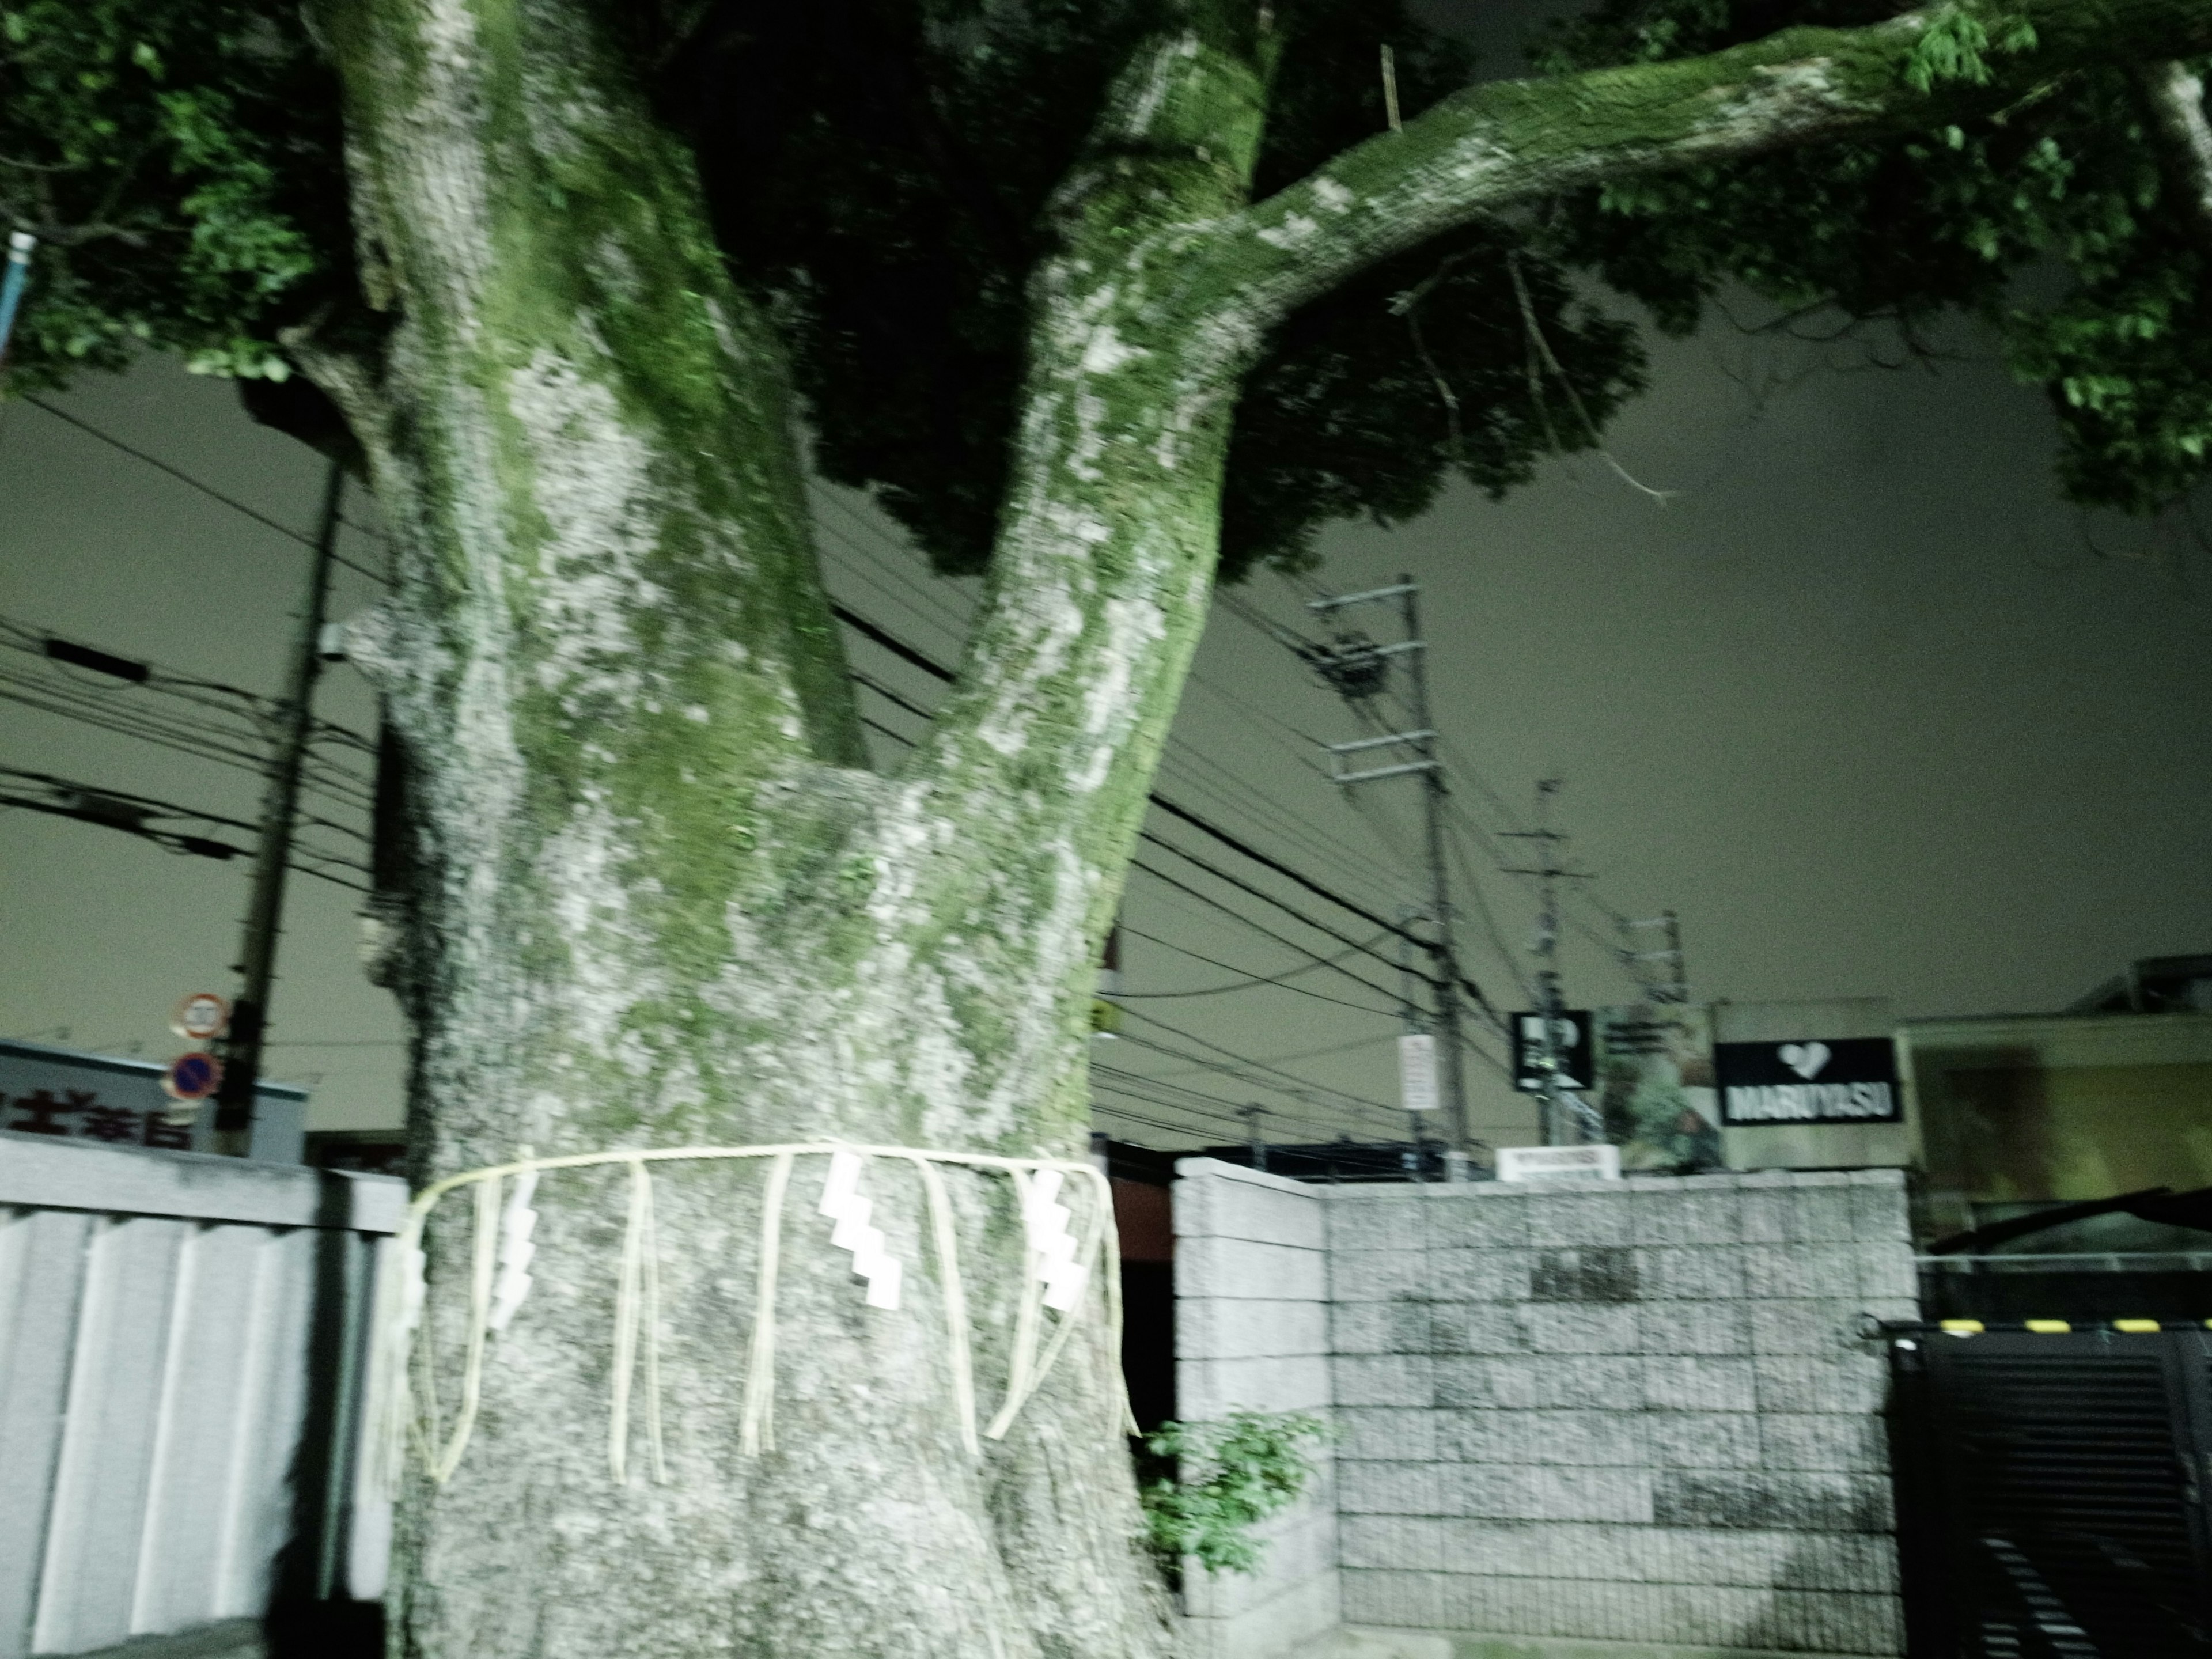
(1864, 701)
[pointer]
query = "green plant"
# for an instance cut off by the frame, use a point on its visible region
(1205, 1486)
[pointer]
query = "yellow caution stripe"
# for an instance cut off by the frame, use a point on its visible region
(2049, 1326)
(1963, 1327)
(2138, 1325)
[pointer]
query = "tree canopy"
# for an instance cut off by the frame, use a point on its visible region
(2063, 220)
(883, 168)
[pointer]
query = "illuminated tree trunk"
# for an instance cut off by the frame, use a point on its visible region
(660, 901)
(661, 904)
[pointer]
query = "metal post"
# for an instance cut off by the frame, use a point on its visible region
(1407, 916)
(18, 273)
(1552, 1120)
(280, 806)
(1446, 958)
(1252, 1115)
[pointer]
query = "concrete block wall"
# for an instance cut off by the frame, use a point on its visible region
(1252, 1333)
(1626, 1412)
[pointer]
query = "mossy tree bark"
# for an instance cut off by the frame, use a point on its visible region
(659, 900)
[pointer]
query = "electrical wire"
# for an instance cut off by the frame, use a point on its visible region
(1314, 961)
(906, 653)
(900, 649)
(1248, 983)
(1130, 1083)
(1267, 897)
(887, 558)
(1460, 765)
(207, 489)
(1314, 1054)
(1257, 803)
(1236, 795)
(1208, 899)
(1457, 852)
(337, 786)
(235, 738)
(1352, 945)
(177, 841)
(1107, 1108)
(1250, 1065)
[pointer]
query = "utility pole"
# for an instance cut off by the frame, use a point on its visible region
(1413, 1025)
(1671, 982)
(1564, 1118)
(280, 807)
(1252, 1115)
(1551, 1002)
(1356, 668)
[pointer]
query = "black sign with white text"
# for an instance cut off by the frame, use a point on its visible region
(1837, 1080)
(1570, 1047)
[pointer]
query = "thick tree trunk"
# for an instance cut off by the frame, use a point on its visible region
(660, 904)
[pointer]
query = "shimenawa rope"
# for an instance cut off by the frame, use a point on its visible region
(404, 1396)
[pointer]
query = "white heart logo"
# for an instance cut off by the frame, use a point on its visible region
(1805, 1059)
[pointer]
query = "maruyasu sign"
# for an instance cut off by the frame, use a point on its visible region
(1811, 1080)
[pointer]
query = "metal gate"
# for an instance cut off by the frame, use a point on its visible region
(2051, 1491)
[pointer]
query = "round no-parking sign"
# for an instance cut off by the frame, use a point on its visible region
(192, 1077)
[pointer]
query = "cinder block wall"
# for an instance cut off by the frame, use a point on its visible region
(1629, 1412)
(1251, 1334)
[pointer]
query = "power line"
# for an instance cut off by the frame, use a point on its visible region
(1317, 1053)
(1266, 861)
(1489, 917)
(134, 815)
(1248, 983)
(1250, 1065)
(245, 715)
(1261, 894)
(338, 786)
(1107, 1108)
(1183, 764)
(955, 623)
(908, 654)
(1315, 960)
(1132, 1084)
(1462, 765)
(207, 489)
(1208, 899)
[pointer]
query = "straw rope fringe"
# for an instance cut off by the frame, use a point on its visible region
(403, 1403)
(756, 1431)
(637, 1299)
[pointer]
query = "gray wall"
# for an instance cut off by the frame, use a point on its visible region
(1628, 1412)
(1251, 1334)
(176, 1341)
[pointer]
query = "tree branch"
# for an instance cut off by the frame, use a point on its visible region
(2177, 103)
(1509, 141)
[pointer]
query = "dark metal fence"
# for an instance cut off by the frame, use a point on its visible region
(2052, 1485)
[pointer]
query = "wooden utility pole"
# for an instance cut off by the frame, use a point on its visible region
(280, 811)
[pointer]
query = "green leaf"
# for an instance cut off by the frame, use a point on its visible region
(1210, 1484)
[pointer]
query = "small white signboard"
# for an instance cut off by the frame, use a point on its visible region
(1555, 1162)
(1417, 1072)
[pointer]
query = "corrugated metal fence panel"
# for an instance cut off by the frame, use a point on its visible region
(174, 1394)
(110, 1423)
(42, 1260)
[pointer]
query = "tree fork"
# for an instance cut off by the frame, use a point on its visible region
(660, 904)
